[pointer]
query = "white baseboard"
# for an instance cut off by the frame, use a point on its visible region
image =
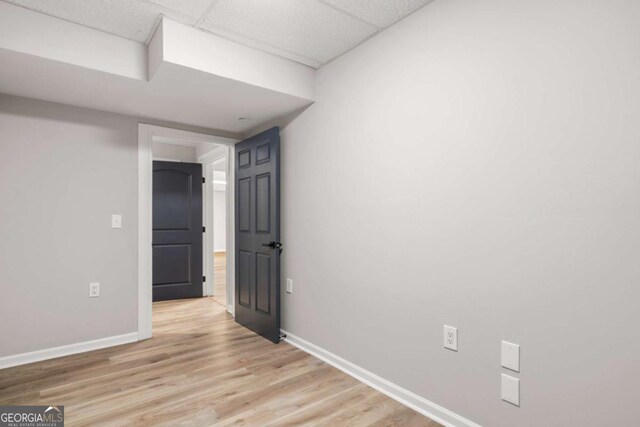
(66, 350)
(404, 396)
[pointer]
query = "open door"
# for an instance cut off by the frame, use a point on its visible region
(258, 247)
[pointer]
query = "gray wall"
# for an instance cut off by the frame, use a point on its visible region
(477, 165)
(63, 172)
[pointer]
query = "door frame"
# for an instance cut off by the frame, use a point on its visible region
(208, 160)
(146, 133)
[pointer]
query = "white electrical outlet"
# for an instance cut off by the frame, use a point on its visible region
(116, 221)
(451, 338)
(510, 356)
(94, 289)
(511, 389)
(289, 286)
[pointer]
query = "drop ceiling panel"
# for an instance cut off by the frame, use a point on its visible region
(265, 47)
(381, 13)
(194, 9)
(311, 32)
(131, 19)
(304, 27)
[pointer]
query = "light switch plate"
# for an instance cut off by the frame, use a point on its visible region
(116, 221)
(511, 389)
(451, 338)
(510, 356)
(94, 290)
(289, 286)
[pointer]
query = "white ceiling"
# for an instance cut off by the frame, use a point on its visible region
(312, 32)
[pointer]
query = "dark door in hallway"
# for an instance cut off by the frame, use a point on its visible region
(257, 228)
(177, 230)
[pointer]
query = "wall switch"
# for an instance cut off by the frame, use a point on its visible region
(94, 290)
(451, 338)
(289, 286)
(116, 221)
(510, 356)
(511, 389)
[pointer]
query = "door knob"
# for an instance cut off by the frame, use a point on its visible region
(273, 245)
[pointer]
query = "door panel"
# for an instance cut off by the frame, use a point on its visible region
(171, 201)
(263, 283)
(244, 278)
(244, 204)
(258, 234)
(172, 264)
(177, 230)
(263, 199)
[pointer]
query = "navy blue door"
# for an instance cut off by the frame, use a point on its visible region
(258, 247)
(177, 230)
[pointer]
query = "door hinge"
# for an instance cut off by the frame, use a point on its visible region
(203, 180)
(204, 278)
(204, 229)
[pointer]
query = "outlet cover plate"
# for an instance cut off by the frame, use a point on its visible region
(510, 356)
(94, 290)
(511, 389)
(116, 221)
(451, 338)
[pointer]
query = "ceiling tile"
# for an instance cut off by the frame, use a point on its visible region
(382, 13)
(305, 27)
(131, 19)
(311, 32)
(191, 8)
(259, 45)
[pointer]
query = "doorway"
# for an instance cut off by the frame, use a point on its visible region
(180, 148)
(252, 250)
(219, 254)
(218, 210)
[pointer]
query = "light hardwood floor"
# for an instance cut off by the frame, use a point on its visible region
(220, 278)
(199, 369)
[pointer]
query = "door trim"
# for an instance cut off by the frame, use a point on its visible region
(207, 161)
(146, 133)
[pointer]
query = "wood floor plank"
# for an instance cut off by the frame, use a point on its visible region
(220, 278)
(376, 407)
(405, 417)
(201, 369)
